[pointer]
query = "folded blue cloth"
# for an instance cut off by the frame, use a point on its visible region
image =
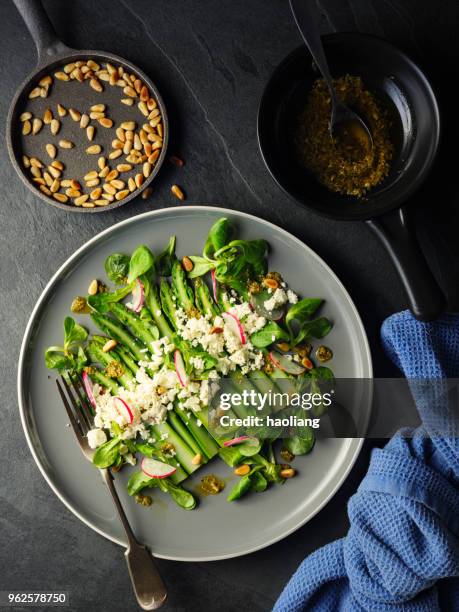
(402, 549)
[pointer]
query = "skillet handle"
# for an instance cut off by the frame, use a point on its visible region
(41, 29)
(394, 230)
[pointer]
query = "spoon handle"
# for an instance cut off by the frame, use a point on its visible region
(306, 18)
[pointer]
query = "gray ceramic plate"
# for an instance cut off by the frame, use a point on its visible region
(217, 529)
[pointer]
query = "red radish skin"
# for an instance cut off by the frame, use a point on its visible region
(235, 326)
(138, 295)
(156, 469)
(238, 440)
(88, 388)
(121, 405)
(214, 285)
(180, 369)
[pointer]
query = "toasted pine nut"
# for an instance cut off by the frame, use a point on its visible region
(94, 150)
(47, 116)
(122, 194)
(96, 85)
(46, 80)
(131, 184)
(84, 121)
(271, 283)
(66, 144)
(45, 190)
(187, 264)
(146, 169)
(96, 193)
(26, 128)
(117, 144)
(62, 76)
(57, 164)
(144, 93)
(36, 172)
(51, 150)
(55, 172)
(103, 173)
(109, 188)
(72, 193)
(114, 154)
(101, 162)
(36, 162)
(283, 346)
(68, 68)
(26, 161)
(92, 182)
(106, 122)
(287, 473)
(90, 175)
(127, 101)
(242, 470)
(36, 125)
(25, 116)
(76, 115)
(146, 193)
(81, 199)
(197, 459)
(307, 363)
(128, 125)
(124, 167)
(176, 161)
(130, 92)
(55, 185)
(102, 202)
(55, 126)
(117, 183)
(93, 288)
(61, 110)
(90, 130)
(138, 180)
(96, 114)
(154, 156)
(112, 175)
(98, 108)
(87, 205)
(177, 192)
(35, 93)
(60, 197)
(93, 65)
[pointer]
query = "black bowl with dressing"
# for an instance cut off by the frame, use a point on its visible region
(396, 82)
(403, 89)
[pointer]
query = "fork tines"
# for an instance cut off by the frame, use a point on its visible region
(76, 404)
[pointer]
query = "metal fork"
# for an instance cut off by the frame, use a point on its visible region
(146, 581)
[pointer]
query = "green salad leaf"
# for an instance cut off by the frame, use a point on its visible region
(271, 332)
(141, 262)
(117, 268)
(167, 258)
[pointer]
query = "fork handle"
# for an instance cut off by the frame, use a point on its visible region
(147, 583)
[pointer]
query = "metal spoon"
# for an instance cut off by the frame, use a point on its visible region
(345, 125)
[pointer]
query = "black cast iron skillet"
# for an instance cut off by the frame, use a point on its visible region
(406, 93)
(52, 55)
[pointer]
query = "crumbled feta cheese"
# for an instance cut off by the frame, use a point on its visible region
(279, 298)
(96, 437)
(292, 297)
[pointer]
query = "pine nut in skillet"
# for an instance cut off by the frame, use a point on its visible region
(137, 146)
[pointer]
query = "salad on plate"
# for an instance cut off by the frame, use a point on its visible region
(170, 332)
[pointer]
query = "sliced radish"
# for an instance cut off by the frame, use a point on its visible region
(214, 285)
(87, 384)
(138, 296)
(156, 469)
(235, 326)
(180, 368)
(123, 409)
(239, 440)
(285, 364)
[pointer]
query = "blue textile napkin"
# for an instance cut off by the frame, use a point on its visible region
(402, 548)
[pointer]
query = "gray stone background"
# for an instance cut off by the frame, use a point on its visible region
(211, 60)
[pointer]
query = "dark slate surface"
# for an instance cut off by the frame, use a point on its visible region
(211, 61)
